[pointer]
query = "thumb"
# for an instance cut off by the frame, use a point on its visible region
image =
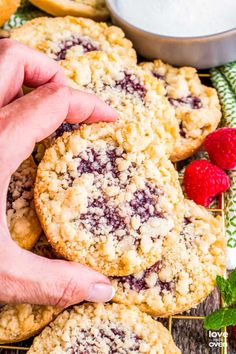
(28, 278)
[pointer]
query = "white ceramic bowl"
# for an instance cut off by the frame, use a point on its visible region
(201, 52)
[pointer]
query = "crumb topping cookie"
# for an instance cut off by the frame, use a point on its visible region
(145, 114)
(19, 322)
(43, 248)
(71, 37)
(186, 273)
(95, 9)
(41, 147)
(196, 106)
(105, 207)
(98, 328)
(8, 7)
(22, 219)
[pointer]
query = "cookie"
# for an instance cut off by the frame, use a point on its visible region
(98, 328)
(95, 9)
(196, 106)
(41, 147)
(43, 248)
(67, 37)
(187, 272)
(145, 114)
(8, 7)
(105, 207)
(22, 321)
(22, 219)
(4, 34)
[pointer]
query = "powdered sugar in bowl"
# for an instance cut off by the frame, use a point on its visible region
(197, 33)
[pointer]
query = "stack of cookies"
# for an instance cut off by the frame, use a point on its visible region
(107, 195)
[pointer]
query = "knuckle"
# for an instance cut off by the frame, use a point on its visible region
(7, 46)
(69, 294)
(54, 88)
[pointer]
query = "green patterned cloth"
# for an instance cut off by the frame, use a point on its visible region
(224, 80)
(24, 13)
(227, 97)
(229, 71)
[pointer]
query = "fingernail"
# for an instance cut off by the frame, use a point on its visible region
(100, 292)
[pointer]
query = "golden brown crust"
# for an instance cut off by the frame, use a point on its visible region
(7, 8)
(95, 9)
(99, 328)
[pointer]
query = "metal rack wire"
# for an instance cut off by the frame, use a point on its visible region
(172, 319)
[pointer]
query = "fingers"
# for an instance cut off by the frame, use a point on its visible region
(35, 116)
(27, 278)
(20, 64)
(89, 108)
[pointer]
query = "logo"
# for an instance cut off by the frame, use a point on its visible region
(217, 339)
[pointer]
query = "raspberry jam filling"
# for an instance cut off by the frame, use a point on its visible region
(181, 130)
(16, 191)
(144, 201)
(192, 101)
(97, 162)
(130, 83)
(9, 200)
(105, 214)
(187, 234)
(143, 281)
(110, 338)
(65, 127)
(187, 221)
(67, 44)
(158, 76)
(100, 213)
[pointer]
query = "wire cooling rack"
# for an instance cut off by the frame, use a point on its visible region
(170, 321)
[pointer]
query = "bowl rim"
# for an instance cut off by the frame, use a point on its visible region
(112, 8)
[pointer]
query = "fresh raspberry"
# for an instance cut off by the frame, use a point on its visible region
(203, 181)
(221, 147)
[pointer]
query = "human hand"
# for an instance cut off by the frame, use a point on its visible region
(25, 120)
